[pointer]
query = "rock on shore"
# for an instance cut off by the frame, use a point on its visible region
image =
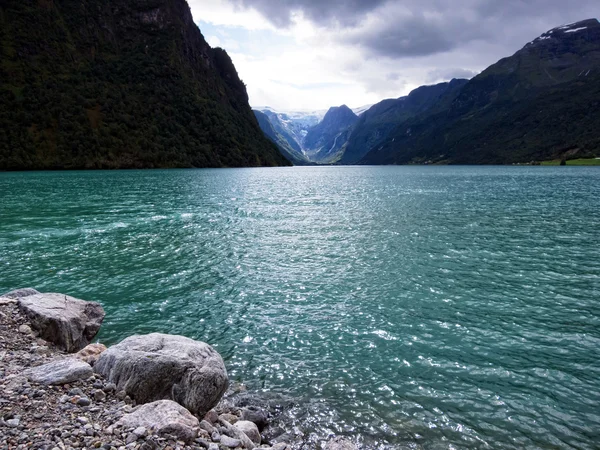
(66, 321)
(160, 366)
(52, 400)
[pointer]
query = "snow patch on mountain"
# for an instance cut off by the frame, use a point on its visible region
(576, 30)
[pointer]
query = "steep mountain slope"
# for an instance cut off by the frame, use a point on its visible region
(541, 103)
(325, 141)
(375, 125)
(126, 83)
(293, 125)
(287, 128)
(286, 143)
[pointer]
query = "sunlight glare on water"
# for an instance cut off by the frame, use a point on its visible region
(433, 307)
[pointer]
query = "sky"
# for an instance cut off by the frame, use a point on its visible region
(314, 54)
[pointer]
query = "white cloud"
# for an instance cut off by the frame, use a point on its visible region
(315, 64)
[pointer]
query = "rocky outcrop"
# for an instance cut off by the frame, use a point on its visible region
(160, 366)
(163, 417)
(66, 321)
(60, 372)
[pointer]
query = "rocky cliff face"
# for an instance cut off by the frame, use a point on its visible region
(273, 129)
(128, 83)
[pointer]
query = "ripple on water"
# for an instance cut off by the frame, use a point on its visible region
(417, 307)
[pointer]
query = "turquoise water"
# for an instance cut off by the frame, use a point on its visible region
(417, 307)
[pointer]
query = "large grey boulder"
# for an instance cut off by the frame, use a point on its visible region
(163, 417)
(66, 321)
(161, 366)
(59, 372)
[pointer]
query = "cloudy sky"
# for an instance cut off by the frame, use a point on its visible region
(312, 54)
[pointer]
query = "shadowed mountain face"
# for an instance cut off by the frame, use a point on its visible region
(126, 83)
(375, 125)
(541, 103)
(325, 141)
(273, 129)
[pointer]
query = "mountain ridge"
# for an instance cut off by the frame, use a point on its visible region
(130, 84)
(515, 110)
(537, 104)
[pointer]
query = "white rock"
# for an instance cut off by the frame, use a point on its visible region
(163, 416)
(161, 366)
(62, 371)
(66, 321)
(249, 429)
(230, 442)
(7, 301)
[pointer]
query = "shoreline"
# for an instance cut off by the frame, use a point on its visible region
(91, 412)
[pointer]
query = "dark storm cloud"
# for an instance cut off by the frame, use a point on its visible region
(411, 35)
(412, 28)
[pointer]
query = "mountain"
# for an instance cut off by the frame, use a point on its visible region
(324, 142)
(361, 109)
(375, 125)
(541, 103)
(276, 132)
(119, 84)
(293, 125)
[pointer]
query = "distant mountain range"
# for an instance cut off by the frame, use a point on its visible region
(540, 103)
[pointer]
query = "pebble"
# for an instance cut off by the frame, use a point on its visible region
(230, 442)
(25, 329)
(132, 437)
(99, 395)
(84, 401)
(13, 423)
(76, 391)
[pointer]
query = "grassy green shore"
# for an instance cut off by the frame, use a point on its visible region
(574, 162)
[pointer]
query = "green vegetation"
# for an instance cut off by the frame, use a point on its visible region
(130, 84)
(540, 104)
(573, 162)
(375, 125)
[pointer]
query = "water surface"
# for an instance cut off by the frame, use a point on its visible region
(408, 307)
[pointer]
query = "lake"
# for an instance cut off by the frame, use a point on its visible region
(407, 307)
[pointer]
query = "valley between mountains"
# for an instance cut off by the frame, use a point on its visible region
(540, 104)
